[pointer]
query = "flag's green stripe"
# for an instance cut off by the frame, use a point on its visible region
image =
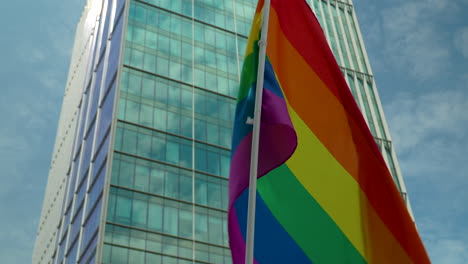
(249, 72)
(305, 220)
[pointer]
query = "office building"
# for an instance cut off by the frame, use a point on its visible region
(141, 160)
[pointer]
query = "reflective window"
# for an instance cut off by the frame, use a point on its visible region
(150, 212)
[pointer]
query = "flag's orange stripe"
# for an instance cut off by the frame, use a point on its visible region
(303, 30)
(340, 195)
(259, 6)
(343, 134)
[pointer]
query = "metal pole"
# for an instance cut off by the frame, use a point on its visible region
(249, 250)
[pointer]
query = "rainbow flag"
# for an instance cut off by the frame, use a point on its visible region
(325, 194)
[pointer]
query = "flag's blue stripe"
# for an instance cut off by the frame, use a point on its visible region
(273, 244)
(270, 82)
(245, 108)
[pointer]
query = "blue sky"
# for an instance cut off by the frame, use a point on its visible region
(419, 53)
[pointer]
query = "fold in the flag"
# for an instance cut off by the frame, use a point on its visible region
(325, 194)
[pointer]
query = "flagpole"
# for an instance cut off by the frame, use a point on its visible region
(249, 250)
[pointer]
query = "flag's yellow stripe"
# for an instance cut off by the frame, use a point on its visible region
(337, 130)
(307, 223)
(254, 33)
(311, 98)
(341, 197)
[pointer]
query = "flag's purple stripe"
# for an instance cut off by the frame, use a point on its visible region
(275, 127)
(273, 244)
(245, 107)
(236, 239)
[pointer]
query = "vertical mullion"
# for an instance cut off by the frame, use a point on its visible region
(311, 4)
(193, 132)
(346, 44)
(337, 41)
(325, 26)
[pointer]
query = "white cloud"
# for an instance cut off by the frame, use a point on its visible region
(29, 106)
(414, 40)
(16, 240)
(429, 126)
(430, 135)
(52, 80)
(415, 118)
(449, 251)
(26, 141)
(22, 146)
(37, 55)
(442, 245)
(461, 41)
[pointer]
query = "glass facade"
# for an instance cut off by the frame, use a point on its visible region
(79, 222)
(148, 176)
(169, 181)
(341, 29)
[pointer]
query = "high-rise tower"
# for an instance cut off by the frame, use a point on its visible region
(141, 160)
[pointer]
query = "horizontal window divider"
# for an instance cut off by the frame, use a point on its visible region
(356, 72)
(72, 244)
(141, 47)
(89, 127)
(103, 99)
(90, 242)
(76, 212)
(168, 198)
(116, 22)
(88, 87)
(178, 81)
(340, 2)
(175, 110)
(63, 238)
(68, 207)
(81, 102)
(84, 175)
(82, 181)
(101, 57)
(154, 252)
(78, 152)
(190, 18)
(172, 134)
(59, 225)
(163, 234)
(170, 164)
(101, 144)
(104, 162)
(383, 140)
(80, 260)
(91, 211)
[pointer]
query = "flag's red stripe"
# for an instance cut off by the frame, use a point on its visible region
(363, 160)
(303, 30)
